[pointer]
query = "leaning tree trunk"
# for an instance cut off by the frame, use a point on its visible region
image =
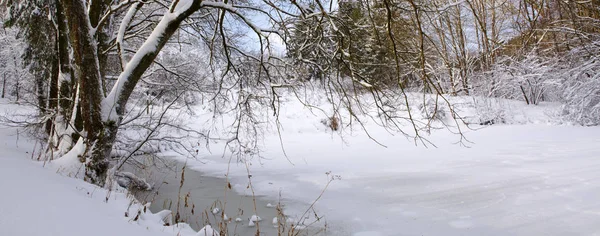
(101, 116)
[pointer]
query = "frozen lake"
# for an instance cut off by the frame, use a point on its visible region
(200, 196)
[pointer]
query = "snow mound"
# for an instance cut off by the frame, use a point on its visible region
(207, 231)
(253, 220)
(216, 210)
(70, 164)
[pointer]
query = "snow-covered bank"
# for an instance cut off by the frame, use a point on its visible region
(37, 201)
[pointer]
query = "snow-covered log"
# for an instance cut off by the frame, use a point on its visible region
(130, 181)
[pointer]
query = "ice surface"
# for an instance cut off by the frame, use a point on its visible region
(529, 176)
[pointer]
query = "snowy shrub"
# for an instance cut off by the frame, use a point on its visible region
(584, 110)
(528, 79)
(489, 111)
(581, 94)
(433, 110)
(331, 122)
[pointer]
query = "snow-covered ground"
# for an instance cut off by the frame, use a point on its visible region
(531, 176)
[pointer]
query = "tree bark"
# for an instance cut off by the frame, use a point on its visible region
(3, 84)
(87, 72)
(66, 83)
(96, 10)
(53, 87)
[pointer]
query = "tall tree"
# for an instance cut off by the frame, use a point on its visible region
(100, 37)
